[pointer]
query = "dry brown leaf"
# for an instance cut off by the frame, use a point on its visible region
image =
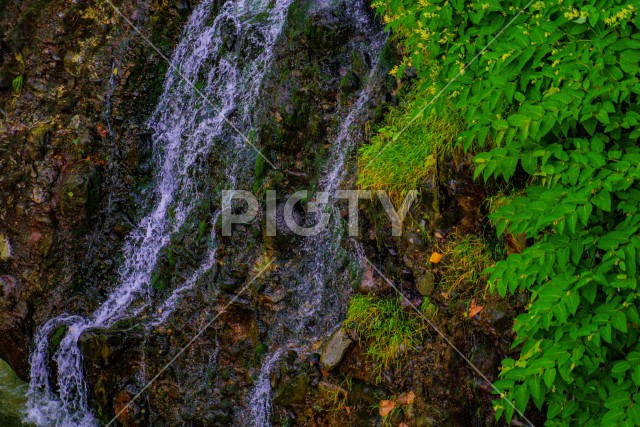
(386, 406)
(102, 130)
(324, 373)
(403, 425)
(348, 409)
(406, 398)
(474, 309)
(435, 257)
(439, 236)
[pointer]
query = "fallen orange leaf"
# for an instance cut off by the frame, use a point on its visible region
(386, 406)
(403, 425)
(102, 130)
(474, 309)
(406, 398)
(324, 373)
(444, 295)
(435, 257)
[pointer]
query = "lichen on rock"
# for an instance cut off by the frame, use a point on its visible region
(5, 248)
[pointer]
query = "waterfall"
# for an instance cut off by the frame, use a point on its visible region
(320, 303)
(226, 60)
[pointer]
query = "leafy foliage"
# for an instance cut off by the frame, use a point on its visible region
(557, 92)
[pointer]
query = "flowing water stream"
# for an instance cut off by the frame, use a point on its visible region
(321, 295)
(226, 54)
(227, 60)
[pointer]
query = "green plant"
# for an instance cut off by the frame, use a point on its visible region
(337, 395)
(495, 202)
(158, 282)
(57, 336)
(557, 94)
(17, 84)
(465, 260)
(428, 308)
(398, 164)
(385, 328)
(202, 230)
(260, 351)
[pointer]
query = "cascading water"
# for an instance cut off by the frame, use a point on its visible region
(319, 299)
(226, 60)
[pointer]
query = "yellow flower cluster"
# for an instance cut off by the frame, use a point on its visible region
(623, 15)
(539, 5)
(572, 14)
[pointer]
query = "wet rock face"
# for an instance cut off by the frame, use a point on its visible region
(75, 90)
(14, 320)
(110, 357)
(294, 391)
(305, 89)
(79, 193)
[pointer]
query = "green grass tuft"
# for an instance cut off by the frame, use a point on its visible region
(410, 156)
(385, 328)
(428, 308)
(17, 84)
(465, 261)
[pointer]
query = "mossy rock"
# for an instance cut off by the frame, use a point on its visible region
(292, 392)
(12, 395)
(38, 139)
(79, 193)
(57, 336)
(350, 82)
(5, 248)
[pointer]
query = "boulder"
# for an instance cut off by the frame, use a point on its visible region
(334, 349)
(372, 283)
(425, 284)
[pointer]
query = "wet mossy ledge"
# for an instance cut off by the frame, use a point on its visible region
(12, 395)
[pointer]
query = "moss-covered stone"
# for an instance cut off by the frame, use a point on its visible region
(5, 248)
(292, 392)
(79, 193)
